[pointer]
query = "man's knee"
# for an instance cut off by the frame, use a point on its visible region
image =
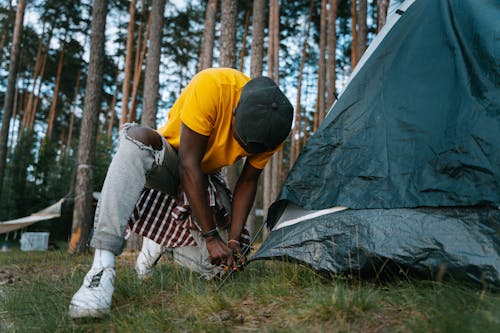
(146, 135)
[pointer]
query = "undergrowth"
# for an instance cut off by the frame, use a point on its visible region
(36, 287)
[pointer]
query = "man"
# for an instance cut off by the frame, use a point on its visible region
(220, 117)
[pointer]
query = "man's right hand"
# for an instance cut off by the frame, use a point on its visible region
(218, 252)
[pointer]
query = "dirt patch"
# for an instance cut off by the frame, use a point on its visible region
(7, 277)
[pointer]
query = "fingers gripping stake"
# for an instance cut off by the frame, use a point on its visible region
(240, 265)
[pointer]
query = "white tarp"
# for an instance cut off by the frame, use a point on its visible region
(48, 213)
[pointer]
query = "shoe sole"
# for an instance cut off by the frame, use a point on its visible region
(76, 312)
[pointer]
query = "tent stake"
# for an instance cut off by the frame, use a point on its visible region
(245, 252)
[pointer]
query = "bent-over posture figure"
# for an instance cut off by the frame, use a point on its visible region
(220, 117)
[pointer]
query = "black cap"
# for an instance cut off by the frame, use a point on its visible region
(263, 117)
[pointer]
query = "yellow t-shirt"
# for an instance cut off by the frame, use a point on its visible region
(206, 106)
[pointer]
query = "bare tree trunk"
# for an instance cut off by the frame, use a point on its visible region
(228, 33)
(36, 71)
(112, 112)
(52, 112)
(296, 132)
(73, 108)
(256, 60)
(354, 28)
(332, 46)
(82, 213)
(382, 6)
(11, 88)
(320, 102)
(137, 75)
(128, 63)
(32, 109)
(228, 59)
(276, 173)
(362, 29)
(271, 172)
(207, 45)
(244, 40)
(152, 73)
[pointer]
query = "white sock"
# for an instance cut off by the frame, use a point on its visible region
(103, 259)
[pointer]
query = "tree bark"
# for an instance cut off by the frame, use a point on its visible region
(83, 212)
(354, 32)
(11, 88)
(331, 46)
(320, 102)
(73, 108)
(256, 60)
(362, 29)
(207, 45)
(382, 6)
(137, 75)
(228, 33)
(244, 39)
(228, 59)
(296, 132)
(129, 51)
(152, 73)
(257, 47)
(53, 107)
(33, 106)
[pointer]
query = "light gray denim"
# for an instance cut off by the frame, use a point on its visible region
(134, 166)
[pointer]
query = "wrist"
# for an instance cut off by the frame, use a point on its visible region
(210, 233)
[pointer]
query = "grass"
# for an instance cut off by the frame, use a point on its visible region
(36, 287)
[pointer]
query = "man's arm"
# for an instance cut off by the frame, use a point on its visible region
(191, 151)
(244, 195)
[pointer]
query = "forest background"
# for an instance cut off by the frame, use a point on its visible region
(71, 72)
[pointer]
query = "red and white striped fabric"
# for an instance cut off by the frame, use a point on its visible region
(168, 222)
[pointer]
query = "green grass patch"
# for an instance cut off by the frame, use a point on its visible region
(36, 287)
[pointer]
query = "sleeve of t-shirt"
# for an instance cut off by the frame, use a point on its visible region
(199, 110)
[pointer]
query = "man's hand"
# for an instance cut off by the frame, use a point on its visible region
(219, 253)
(239, 259)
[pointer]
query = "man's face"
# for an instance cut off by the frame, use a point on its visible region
(250, 147)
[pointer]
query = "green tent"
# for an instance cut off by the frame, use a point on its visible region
(405, 169)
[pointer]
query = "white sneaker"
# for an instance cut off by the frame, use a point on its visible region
(147, 259)
(93, 299)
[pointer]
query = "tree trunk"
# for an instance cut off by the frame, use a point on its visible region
(382, 6)
(354, 32)
(207, 45)
(152, 73)
(331, 46)
(244, 40)
(256, 60)
(11, 88)
(228, 33)
(52, 112)
(83, 212)
(137, 75)
(228, 59)
(272, 174)
(73, 108)
(257, 47)
(112, 112)
(296, 132)
(33, 107)
(362, 29)
(320, 102)
(36, 71)
(127, 75)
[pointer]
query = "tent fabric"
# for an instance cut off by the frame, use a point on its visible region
(429, 240)
(51, 212)
(411, 147)
(419, 124)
